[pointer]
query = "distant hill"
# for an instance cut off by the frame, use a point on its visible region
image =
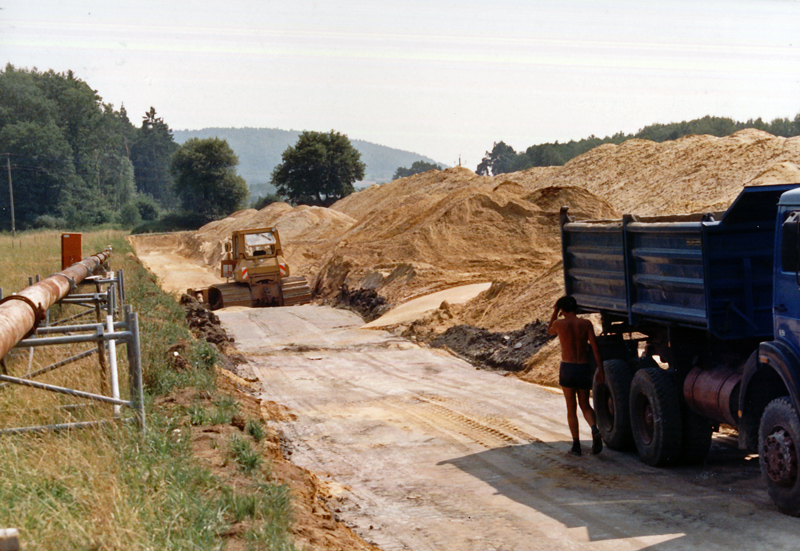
(260, 149)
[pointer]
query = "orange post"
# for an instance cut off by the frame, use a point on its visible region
(71, 249)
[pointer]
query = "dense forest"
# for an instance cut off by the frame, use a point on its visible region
(75, 161)
(503, 159)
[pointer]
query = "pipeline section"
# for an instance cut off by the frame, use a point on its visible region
(20, 313)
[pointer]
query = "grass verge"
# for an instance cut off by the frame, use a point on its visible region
(112, 488)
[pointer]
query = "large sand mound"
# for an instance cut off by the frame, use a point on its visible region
(441, 229)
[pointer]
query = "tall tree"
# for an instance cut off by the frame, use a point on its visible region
(205, 178)
(42, 168)
(151, 153)
(65, 148)
(499, 160)
(319, 169)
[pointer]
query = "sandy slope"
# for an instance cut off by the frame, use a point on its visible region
(441, 229)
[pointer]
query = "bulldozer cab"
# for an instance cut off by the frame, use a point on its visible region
(253, 255)
(256, 243)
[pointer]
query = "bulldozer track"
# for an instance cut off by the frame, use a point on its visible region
(295, 290)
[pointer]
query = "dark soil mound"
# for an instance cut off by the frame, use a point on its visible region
(203, 322)
(507, 350)
(365, 302)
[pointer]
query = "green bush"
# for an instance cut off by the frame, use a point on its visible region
(129, 215)
(148, 207)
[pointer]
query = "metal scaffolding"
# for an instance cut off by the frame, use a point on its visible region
(115, 323)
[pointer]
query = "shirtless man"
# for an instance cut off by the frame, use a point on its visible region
(575, 375)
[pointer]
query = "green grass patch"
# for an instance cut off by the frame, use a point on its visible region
(246, 456)
(255, 428)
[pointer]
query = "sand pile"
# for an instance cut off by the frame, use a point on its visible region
(686, 175)
(445, 228)
(433, 231)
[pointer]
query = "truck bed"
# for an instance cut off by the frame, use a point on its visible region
(706, 271)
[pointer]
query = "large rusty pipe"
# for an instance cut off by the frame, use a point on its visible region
(18, 315)
(714, 393)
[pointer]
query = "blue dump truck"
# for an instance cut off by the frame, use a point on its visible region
(701, 328)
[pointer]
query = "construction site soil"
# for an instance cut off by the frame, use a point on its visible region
(390, 243)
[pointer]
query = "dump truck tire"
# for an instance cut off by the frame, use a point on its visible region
(656, 417)
(611, 405)
(778, 441)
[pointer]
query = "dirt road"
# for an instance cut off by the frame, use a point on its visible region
(434, 454)
(430, 453)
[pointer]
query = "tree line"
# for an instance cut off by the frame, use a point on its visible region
(75, 161)
(503, 159)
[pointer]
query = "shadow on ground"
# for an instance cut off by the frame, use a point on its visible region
(615, 496)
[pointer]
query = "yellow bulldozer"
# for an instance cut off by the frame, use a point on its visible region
(261, 277)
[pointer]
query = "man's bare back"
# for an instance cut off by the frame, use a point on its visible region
(574, 333)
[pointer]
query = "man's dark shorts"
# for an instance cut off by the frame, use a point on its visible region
(577, 376)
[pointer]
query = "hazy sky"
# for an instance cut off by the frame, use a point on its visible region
(441, 78)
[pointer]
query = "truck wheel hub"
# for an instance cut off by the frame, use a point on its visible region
(780, 457)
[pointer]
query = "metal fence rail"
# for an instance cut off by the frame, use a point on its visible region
(105, 334)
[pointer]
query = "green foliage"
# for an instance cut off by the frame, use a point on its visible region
(73, 158)
(319, 170)
(417, 167)
(49, 222)
(148, 208)
(129, 215)
(503, 158)
(205, 178)
(255, 429)
(241, 449)
(225, 408)
(500, 160)
(151, 153)
(173, 221)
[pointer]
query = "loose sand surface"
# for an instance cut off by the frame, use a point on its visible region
(418, 307)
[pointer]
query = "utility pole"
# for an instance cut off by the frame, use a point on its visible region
(11, 195)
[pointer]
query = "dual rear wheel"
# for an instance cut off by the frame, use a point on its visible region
(644, 410)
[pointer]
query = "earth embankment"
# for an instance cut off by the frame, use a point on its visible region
(442, 229)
